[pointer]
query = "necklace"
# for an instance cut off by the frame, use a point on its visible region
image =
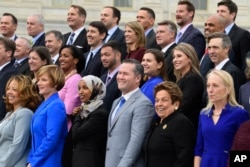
(216, 115)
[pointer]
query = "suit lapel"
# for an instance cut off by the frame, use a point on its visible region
(186, 33)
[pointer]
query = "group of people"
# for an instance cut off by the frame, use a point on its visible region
(100, 96)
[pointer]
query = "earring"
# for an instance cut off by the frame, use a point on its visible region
(176, 108)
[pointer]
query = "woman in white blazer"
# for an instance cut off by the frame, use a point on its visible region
(21, 101)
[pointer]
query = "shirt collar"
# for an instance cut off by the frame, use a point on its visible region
(146, 32)
(37, 37)
(54, 58)
(128, 95)
(185, 28)
(221, 64)
(228, 28)
(167, 47)
(2, 66)
(111, 75)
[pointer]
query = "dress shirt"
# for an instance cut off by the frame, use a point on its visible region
(110, 33)
(54, 58)
(34, 39)
(77, 32)
(221, 64)
(166, 47)
(228, 28)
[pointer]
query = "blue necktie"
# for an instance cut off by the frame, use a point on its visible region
(71, 38)
(122, 101)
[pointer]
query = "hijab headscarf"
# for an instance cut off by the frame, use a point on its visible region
(98, 92)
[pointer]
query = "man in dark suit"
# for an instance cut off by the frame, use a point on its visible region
(111, 59)
(7, 48)
(110, 16)
(8, 26)
(76, 20)
(35, 28)
(21, 53)
(53, 42)
(240, 38)
(188, 33)
(146, 17)
(165, 38)
(97, 32)
(218, 50)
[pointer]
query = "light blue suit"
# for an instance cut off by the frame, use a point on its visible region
(127, 131)
(48, 131)
(15, 137)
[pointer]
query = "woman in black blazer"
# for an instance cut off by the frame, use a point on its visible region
(171, 138)
(89, 130)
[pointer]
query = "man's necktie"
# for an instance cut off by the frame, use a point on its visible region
(16, 64)
(178, 37)
(71, 38)
(89, 60)
(122, 101)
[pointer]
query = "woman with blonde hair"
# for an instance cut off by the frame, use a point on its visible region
(21, 100)
(135, 40)
(189, 79)
(219, 121)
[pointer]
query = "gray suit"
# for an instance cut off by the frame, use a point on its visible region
(127, 131)
(14, 138)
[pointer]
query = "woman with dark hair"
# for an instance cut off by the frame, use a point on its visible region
(72, 63)
(38, 56)
(154, 71)
(21, 101)
(89, 129)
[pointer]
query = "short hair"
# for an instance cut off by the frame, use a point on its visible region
(100, 26)
(114, 45)
(14, 19)
(81, 10)
(27, 42)
(138, 70)
(171, 26)
(190, 52)
(43, 53)
(232, 7)
(172, 88)
(150, 11)
(58, 34)
(9, 45)
(190, 6)
(39, 17)
(77, 54)
(116, 13)
(228, 82)
(226, 41)
(139, 31)
(159, 57)
(26, 89)
(55, 73)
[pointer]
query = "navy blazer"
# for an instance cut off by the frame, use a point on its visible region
(48, 132)
(112, 91)
(80, 42)
(240, 44)
(40, 41)
(94, 67)
(195, 38)
(169, 63)
(151, 41)
(24, 67)
(5, 74)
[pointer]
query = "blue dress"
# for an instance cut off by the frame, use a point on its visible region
(148, 87)
(214, 141)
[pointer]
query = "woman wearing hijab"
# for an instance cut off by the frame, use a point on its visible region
(90, 125)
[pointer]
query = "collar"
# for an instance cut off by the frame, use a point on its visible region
(112, 30)
(2, 66)
(111, 74)
(54, 58)
(77, 32)
(95, 50)
(128, 95)
(20, 60)
(37, 37)
(13, 37)
(221, 64)
(229, 27)
(183, 29)
(166, 47)
(147, 31)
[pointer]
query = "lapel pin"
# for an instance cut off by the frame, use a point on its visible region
(164, 127)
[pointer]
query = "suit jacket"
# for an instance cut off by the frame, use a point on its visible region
(169, 63)
(206, 65)
(40, 41)
(236, 74)
(170, 143)
(80, 42)
(48, 132)
(195, 38)
(5, 74)
(94, 67)
(24, 67)
(240, 44)
(127, 131)
(89, 137)
(118, 36)
(15, 138)
(151, 41)
(112, 91)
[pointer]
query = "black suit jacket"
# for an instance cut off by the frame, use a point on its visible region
(195, 38)
(170, 143)
(169, 63)
(5, 74)
(118, 36)
(94, 67)
(240, 44)
(24, 67)
(80, 42)
(236, 74)
(151, 41)
(112, 91)
(206, 65)
(40, 41)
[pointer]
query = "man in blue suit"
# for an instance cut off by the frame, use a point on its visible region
(110, 16)
(188, 33)
(129, 123)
